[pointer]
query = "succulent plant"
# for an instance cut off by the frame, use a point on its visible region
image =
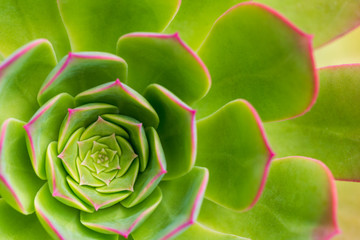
(151, 119)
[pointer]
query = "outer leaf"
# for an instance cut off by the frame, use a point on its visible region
(343, 50)
(120, 220)
(179, 208)
(330, 131)
(270, 67)
(111, 19)
(147, 181)
(299, 202)
(177, 130)
(166, 60)
(192, 24)
(27, 20)
(129, 102)
(348, 210)
(233, 146)
(87, 69)
(18, 183)
(325, 19)
(14, 225)
(58, 185)
(43, 128)
(61, 221)
(199, 231)
(27, 67)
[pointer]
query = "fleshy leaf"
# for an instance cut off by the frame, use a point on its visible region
(94, 198)
(329, 132)
(70, 153)
(102, 128)
(192, 24)
(81, 117)
(233, 146)
(199, 231)
(326, 20)
(86, 69)
(137, 135)
(348, 209)
(27, 67)
(61, 221)
(58, 185)
(43, 128)
(14, 225)
(120, 220)
(127, 155)
(299, 202)
(27, 20)
(270, 67)
(179, 208)
(18, 182)
(344, 50)
(123, 183)
(111, 19)
(147, 181)
(127, 100)
(165, 60)
(177, 130)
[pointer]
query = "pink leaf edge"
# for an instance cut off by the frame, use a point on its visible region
(72, 56)
(177, 38)
(319, 233)
(2, 177)
(309, 42)
(271, 154)
(49, 223)
(194, 210)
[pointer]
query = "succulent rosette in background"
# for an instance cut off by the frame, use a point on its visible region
(148, 120)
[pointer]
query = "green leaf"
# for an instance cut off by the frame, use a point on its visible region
(199, 231)
(179, 208)
(147, 181)
(58, 185)
(233, 146)
(192, 24)
(253, 53)
(102, 128)
(129, 102)
(343, 50)
(120, 220)
(61, 221)
(43, 128)
(26, 20)
(137, 136)
(96, 199)
(81, 116)
(70, 153)
(299, 202)
(127, 156)
(329, 132)
(14, 225)
(166, 60)
(326, 20)
(111, 19)
(87, 69)
(21, 76)
(348, 209)
(177, 130)
(18, 182)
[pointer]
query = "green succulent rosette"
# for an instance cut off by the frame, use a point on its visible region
(153, 127)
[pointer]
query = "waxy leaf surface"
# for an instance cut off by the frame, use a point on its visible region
(255, 54)
(233, 147)
(329, 132)
(298, 202)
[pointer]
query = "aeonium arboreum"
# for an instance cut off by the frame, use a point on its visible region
(104, 147)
